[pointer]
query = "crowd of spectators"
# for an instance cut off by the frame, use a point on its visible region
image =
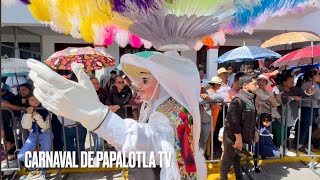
(253, 103)
(34, 122)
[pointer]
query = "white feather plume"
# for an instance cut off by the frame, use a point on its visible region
(98, 34)
(180, 23)
(122, 38)
(220, 37)
(146, 44)
(171, 29)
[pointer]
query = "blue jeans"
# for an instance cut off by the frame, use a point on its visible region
(98, 142)
(306, 123)
(204, 135)
(71, 138)
(31, 143)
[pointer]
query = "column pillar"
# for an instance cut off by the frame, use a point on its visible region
(212, 66)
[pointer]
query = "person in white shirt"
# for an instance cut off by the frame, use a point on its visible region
(203, 80)
(14, 81)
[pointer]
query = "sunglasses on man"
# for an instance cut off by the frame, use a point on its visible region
(120, 82)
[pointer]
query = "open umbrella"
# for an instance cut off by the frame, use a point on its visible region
(305, 56)
(290, 38)
(247, 53)
(14, 67)
(92, 59)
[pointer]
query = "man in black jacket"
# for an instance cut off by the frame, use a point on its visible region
(119, 96)
(239, 127)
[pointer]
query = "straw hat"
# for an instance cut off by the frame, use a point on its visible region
(215, 80)
(222, 70)
(269, 83)
(134, 71)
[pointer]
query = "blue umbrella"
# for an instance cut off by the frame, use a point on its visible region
(247, 53)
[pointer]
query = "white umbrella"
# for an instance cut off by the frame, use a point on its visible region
(14, 67)
(247, 53)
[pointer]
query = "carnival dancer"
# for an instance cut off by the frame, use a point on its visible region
(169, 119)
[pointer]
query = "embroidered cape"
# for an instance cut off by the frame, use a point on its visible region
(181, 121)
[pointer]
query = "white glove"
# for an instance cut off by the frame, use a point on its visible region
(75, 101)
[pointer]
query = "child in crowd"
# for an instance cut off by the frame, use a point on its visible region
(10, 146)
(36, 121)
(265, 145)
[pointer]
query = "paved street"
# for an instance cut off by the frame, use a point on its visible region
(274, 171)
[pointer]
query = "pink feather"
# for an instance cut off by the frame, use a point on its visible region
(135, 41)
(109, 34)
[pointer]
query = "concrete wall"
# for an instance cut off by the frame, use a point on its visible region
(48, 49)
(18, 14)
(191, 54)
(240, 42)
(49, 41)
